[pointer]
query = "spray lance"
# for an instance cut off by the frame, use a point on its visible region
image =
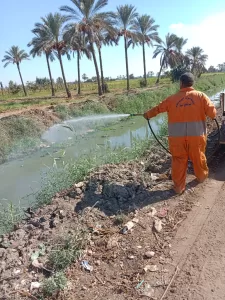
(159, 142)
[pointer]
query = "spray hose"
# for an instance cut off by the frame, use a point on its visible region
(167, 150)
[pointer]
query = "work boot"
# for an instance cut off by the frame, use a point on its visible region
(201, 180)
(178, 190)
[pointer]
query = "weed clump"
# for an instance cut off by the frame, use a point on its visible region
(9, 216)
(67, 250)
(54, 284)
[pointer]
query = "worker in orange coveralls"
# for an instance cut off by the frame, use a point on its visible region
(187, 111)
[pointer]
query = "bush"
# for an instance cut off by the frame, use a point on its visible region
(143, 83)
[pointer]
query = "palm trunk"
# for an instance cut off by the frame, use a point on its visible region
(160, 71)
(78, 71)
(101, 69)
(144, 62)
(96, 69)
(63, 75)
(25, 92)
(127, 67)
(50, 75)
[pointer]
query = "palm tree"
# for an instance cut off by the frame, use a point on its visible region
(167, 50)
(39, 44)
(88, 19)
(16, 56)
(52, 29)
(78, 43)
(197, 60)
(146, 31)
(126, 15)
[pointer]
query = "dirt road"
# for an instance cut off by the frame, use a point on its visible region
(200, 246)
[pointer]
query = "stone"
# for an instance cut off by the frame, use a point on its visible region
(148, 291)
(98, 262)
(153, 212)
(79, 185)
(34, 286)
(112, 243)
(20, 234)
(78, 191)
(2, 252)
(157, 225)
(151, 268)
(149, 254)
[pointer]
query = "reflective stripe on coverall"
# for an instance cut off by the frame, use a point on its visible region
(187, 111)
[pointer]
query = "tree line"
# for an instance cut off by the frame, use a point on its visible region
(85, 27)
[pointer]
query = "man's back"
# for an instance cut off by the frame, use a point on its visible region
(189, 105)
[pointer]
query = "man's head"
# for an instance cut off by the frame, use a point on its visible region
(186, 80)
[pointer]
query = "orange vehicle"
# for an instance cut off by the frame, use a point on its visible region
(187, 111)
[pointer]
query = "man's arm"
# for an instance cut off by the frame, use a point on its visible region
(161, 108)
(209, 107)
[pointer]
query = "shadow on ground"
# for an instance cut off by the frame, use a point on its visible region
(114, 199)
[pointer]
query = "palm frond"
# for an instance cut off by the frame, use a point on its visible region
(73, 14)
(126, 15)
(98, 6)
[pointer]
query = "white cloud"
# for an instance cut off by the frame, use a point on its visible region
(208, 34)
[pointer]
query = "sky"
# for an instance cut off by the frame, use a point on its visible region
(202, 22)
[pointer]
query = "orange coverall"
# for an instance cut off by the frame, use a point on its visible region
(187, 111)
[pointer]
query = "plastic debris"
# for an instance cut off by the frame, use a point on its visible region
(140, 284)
(129, 226)
(86, 266)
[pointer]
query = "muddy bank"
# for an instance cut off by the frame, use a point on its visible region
(20, 134)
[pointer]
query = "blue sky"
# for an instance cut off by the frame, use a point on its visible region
(201, 21)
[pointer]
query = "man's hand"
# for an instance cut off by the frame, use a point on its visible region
(145, 115)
